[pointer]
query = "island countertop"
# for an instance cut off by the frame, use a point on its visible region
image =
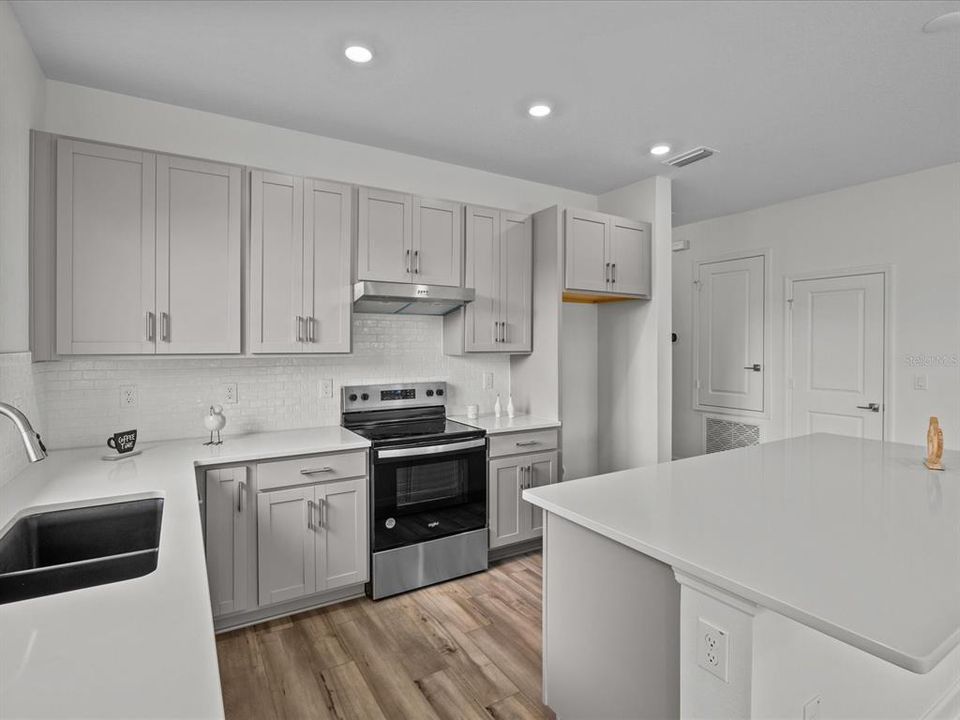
(136, 648)
(854, 538)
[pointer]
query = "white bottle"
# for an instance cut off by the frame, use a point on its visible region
(510, 410)
(497, 408)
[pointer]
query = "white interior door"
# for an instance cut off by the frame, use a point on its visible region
(730, 308)
(836, 355)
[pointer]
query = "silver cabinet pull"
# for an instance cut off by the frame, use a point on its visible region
(755, 367)
(613, 272)
(496, 331)
(320, 505)
(408, 260)
(872, 407)
(316, 471)
(299, 328)
(606, 273)
(416, 262)
(310, 515)
(151, 326)
(310, 321)
(503, 331)
(528, 443)
(241, 489)
(164, 327)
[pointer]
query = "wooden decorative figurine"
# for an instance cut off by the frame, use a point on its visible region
(934, 445)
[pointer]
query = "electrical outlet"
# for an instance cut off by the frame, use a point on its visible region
(488, 381)
(326, 388)
(812, 710)
(919, 382)
(712, 649)
(230, 393)
(128, 396)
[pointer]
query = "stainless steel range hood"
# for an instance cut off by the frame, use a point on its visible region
(407, 299)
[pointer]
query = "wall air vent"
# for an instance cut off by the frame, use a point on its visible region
(690, 157)
(721, 434)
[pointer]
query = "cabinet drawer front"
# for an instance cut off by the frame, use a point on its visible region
(527, 442)
(313, 469)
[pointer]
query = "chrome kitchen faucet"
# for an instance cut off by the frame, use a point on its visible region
(31, 438)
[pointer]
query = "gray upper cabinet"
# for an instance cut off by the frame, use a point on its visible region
(148, 252)
(402, 238)
(604, 254)
(106, 249)
(499, 267)
(300, 234)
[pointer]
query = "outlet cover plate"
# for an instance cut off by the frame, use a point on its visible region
(230, 393)
(129, 397)
(488, 381)
(326, 388)
(712, 649)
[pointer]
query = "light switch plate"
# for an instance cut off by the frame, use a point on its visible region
(488, 381)
(712, 644)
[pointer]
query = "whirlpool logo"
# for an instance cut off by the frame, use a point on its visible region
(435, 523)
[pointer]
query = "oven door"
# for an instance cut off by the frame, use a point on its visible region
(427, 492)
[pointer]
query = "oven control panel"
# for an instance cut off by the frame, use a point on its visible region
(400, 395)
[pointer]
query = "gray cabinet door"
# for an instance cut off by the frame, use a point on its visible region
(327, 302)
(228, 535)
(483, 274)
(287, 544)
(198, 256)
(276, 262)
(586, 242)
(516, 286)
(505, 521)
(437, 242)
(106, 252)
(630, 257)
(384, 235)
(542, 469)
(342, 541)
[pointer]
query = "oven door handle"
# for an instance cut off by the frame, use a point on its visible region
(430, 449)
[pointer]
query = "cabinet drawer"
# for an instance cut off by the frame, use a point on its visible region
(312, 469)
(526, 442)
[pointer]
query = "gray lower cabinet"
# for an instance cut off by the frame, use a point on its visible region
(311, 539)
(229, 532)
(512, 520)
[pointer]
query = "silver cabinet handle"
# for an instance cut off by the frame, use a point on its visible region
(310, 322)
(606, 273)
(503, 332)
(408, 261)
(241, 490)
(755, 367)
(151, 326)
(320, 503)
(872, 407)
(310, 515)
(165, 327)
(528, 443)
(613, 272)
(496, 331)
(316, 471)
(299, 328)
(416, 262)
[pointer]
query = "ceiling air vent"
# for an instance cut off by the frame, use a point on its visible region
(689, 157)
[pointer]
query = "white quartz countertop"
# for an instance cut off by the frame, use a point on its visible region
(854, 538)
(496, 425)
(142, 647)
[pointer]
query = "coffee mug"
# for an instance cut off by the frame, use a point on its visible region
(122, 442)
(473, 411)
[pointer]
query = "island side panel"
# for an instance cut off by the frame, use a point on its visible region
(611, 628)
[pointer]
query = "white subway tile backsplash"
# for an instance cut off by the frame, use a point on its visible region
(80, 398)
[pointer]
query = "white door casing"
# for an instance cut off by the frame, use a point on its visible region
(836, 350)
(729, 358)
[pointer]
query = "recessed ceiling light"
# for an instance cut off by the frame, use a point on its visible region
(358, 54)
(947, 21)
(539, 110)
(660, 149)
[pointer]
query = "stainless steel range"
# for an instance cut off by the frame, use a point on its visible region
(428, 482)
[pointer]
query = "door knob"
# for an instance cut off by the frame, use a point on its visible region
(872, 407)
(755, 367)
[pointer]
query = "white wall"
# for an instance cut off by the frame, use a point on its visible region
(21, 107)
(911, 222)
(578, 370)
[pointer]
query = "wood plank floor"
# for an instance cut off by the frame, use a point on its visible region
(468, 649)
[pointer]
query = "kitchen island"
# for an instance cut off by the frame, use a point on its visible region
(812, 577)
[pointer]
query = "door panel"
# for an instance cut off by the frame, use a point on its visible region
(437, 242)
(543, 470)
(276, 262)
(516, 289)
(836, 355)
(342, 548)
(504, 501)
(106, 259)
(630, 255)
(327, 216)
(385, 230)
(730, 330)
(198, 256)
(227, 538)
(287, 558)
(586, 242)
(483, 274)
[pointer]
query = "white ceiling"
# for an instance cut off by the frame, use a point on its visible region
(798, 97)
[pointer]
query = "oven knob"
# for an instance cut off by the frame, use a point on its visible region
(429, 393)
(390, 523)
(364, 396)
(353, 397)
(439, 392)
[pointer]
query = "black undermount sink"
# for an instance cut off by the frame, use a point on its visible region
(52, 552)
